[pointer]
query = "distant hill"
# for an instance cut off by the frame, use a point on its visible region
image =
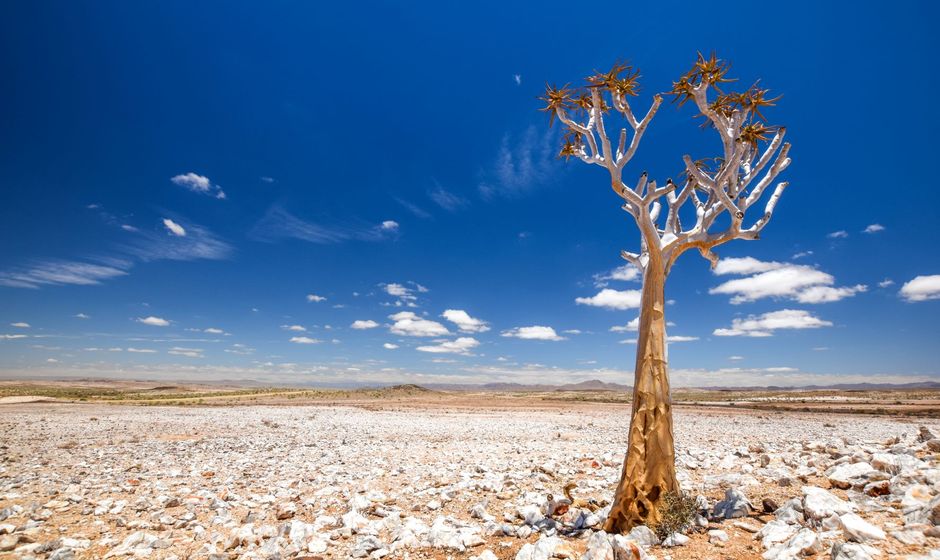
(598, 385)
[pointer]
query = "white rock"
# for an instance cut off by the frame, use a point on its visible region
(859, 530)
(675, 539)
(716, 536)
(852, 551)
(598, 547)
(819, 503)
(842, 476)
(776, 532)
(805, 543)
(734, 505)
(643, 535)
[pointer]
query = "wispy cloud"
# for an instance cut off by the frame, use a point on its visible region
(278, 224)
(521, 164)
(841, 234)
(764, 325)
(20, 325)
(59, 272)
(314, 298)
(873, 228)
(188, 242)
(413, 208)
(363, 324)
(198, 184)
(446, 199)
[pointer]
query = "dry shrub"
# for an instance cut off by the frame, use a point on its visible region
(676, 512)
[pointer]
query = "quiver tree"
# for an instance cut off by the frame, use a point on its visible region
(705, 207)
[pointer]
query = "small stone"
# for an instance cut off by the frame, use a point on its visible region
(924, 434)
(933, 444)
(769, 505)
(286, 510)
(675, 539)
(717, 536)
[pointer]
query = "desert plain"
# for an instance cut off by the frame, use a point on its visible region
(148, 470)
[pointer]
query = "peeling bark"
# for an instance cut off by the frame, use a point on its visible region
(649, 469)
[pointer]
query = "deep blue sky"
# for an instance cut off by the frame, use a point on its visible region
(321, 121)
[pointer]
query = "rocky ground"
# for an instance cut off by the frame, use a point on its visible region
(106, 481)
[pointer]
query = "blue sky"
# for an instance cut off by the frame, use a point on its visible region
(187, 186)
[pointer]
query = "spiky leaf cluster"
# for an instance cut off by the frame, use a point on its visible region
(621, 80)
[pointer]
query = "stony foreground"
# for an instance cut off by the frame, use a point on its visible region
(95, 481)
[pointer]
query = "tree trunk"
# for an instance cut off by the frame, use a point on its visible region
(649, 469)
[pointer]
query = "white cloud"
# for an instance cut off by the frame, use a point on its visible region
(535, 332)
(213, 330)
(198, 183)
(680, 338)
(462, 345)
(801, 283)
(295, 328)
(360, 324)
(517, 78)
(740, 266)
(409, 324)
(304, 340)
(153, 321)
(20, 325)
(464, 321)
(841, 234)
(613, 299)
(632, 326)
(141, 351)
(922, 288)
(735, 358)
(174, 228)
(12, 336)
(765, 325)
(52, 360)
(801, 254)
(405, 295)
(81, 316)
(873, 228)
(314, 298)
(885, 283)
(572, 331)
(625, 273)
(826, 294)
(389, 225)
(389, 346)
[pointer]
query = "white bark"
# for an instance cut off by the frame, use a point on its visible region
(729, 189)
